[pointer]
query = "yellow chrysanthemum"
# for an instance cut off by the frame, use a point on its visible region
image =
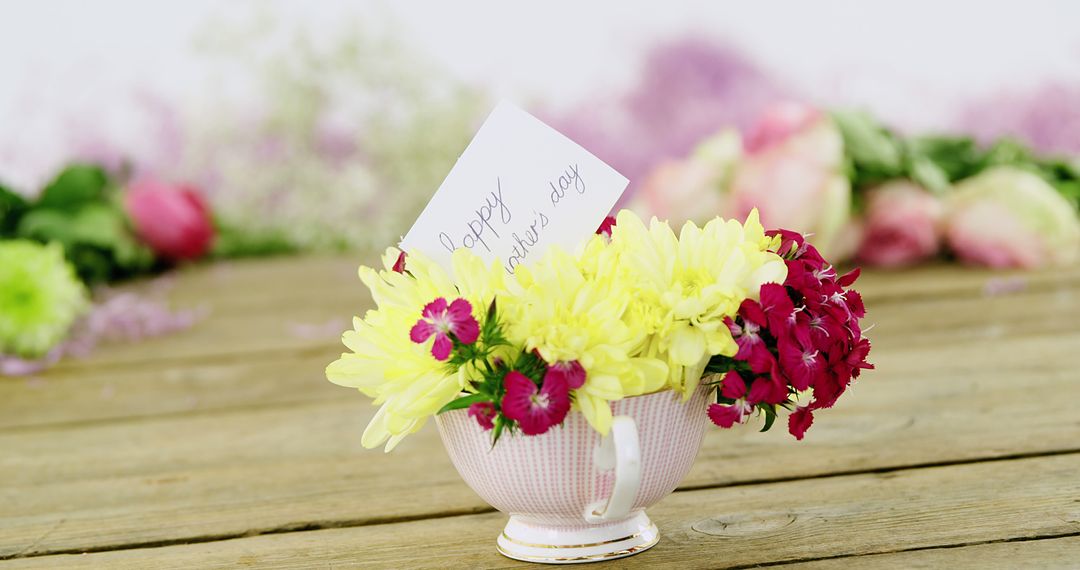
(40, 297)
(684, 287)
(567, 312)
(402, 376)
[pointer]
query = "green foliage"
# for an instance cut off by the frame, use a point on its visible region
(720, 364)
(770, 415)
(76, 186)
(463, 402)
(481, 357)
(1063, 174)
(875, 154)
(12, 207)
(80, 211)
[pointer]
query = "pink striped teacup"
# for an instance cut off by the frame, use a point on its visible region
(572, 495)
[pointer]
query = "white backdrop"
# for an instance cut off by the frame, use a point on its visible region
(65, 64)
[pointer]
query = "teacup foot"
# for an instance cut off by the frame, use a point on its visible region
(530, 541)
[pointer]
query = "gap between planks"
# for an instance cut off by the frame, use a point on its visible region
(1044, 552)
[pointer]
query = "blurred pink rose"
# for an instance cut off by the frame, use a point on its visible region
(1009, 217)
(173, 220)
(902, 225)
(778, 124)
(690, 189)
(793, 173)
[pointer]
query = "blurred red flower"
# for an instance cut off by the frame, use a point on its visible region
(173, 220)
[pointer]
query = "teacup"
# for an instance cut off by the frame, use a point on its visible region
(572, 495)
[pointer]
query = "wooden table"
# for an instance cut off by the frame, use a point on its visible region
(224, 446)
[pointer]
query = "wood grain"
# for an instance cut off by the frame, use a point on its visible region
(797, 521)
(125, 393)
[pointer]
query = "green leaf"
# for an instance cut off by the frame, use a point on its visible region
(770, 417)
(929, 175)
(95, 239)
(872, 148)
(956, 157)
(1070, 189)
(463, 402)
(75, 187)
(46, 226)
(496, 432)
(12, 208)
(93, 265)
(1008, 152)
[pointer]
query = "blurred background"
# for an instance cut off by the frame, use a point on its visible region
(141, 136)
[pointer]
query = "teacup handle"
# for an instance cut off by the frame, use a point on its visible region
(620, 450)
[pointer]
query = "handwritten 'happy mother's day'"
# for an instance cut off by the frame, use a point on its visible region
(494, 215)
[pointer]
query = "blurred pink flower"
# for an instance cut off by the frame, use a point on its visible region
(1008, 217)
(793, 173)
(902, 225)
(691, 188)
(173, 220)
(779, 123)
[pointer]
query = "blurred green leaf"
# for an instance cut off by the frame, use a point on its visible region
(93, 265)
(46, 226)
(929, 175)
(955, 157)
(875, 152)
(12, 207)
(1008, 152)
(95, 238)
(75, 186)
(1070, 189)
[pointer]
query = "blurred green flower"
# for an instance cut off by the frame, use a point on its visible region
(40, 297)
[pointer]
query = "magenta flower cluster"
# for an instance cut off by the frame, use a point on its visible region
(534, 407)
(799, 336)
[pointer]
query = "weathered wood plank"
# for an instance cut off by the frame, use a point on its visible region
(125, 392)
(798, 521)
(260, 470)
(253, 306)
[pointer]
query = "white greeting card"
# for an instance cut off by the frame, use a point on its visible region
(519, 188)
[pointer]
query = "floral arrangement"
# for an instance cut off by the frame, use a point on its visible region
(862, 191)
(88, 227)
(759, 318)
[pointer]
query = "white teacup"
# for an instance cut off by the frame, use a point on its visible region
(574, 496)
